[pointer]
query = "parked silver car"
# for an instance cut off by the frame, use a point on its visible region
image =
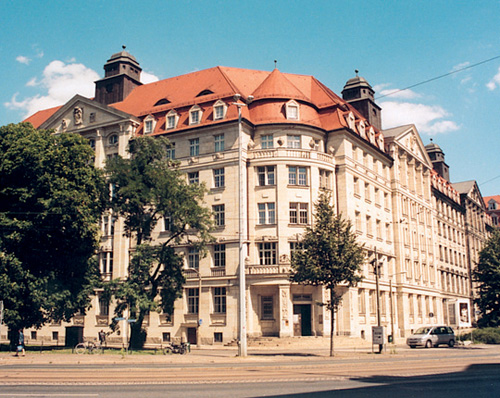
(432, 336)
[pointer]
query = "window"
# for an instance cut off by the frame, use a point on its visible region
(265, 175)
(219, 178)
(113, 139)
(194, 147)
(193, 300)
(297, 175)
(293, 141)
(219, 217)
(373, 302)
(103, 307)
(167, 223)
(267, 307)
(219, 143)
(299, 213)
(266, 141)
(367, 191)
(92, 143)
(33, 335)
(292, 110)
(106, 263)
(219, 300)
(195, 115)
(55, 335)
(194, 258)
(194, 177)
(220, 255)
(172, 119)
(219, 110)
(356, 186)
(294, 246)
(165, 337)
(148, 127)
(218, 337)
(267, 253)
(171, 151)
(361, 301)
(267, 213)
(325, 179)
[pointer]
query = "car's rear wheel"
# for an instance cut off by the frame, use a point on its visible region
(428, 344)
(451, 343)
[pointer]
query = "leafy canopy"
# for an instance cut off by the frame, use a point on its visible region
(147, 188)
(329, 254)
(487, 276)
(51, 199)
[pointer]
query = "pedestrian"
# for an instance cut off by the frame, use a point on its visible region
(20, 343)
(102, 338)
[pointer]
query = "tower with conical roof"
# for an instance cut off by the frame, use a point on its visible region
(358, 92)
(436, 155)
(122, 74)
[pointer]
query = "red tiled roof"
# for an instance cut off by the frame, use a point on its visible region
(496, 198)
(41, 116)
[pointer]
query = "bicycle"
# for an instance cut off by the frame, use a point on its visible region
(87, 347)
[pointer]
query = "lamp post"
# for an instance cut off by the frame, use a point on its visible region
(376, 266)
(242, 332)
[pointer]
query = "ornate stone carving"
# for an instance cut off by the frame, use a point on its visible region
(64, 125)
(77, 115)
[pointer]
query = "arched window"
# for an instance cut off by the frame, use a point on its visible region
(172, 119)
(220, 109)
(195, 114)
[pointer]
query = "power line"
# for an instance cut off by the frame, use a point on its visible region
(439, 77)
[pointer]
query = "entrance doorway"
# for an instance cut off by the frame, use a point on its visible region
(191, 336)
(302, 320)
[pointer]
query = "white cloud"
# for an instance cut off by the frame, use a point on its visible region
(59, 83)
(23, 60)
(427, 118)
(148, 78)
(494, 82)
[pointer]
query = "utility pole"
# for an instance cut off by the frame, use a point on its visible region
(376, 268)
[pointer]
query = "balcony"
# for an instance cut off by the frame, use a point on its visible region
(290, 153)
(268, 269)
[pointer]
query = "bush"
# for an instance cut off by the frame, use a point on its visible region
(483, 336)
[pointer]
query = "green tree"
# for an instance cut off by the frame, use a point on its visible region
(149, 187)
(487, 276)
(51, 200)
(328, 255)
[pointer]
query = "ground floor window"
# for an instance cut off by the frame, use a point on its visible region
(218, 338)
(267, 308)
(165, 337)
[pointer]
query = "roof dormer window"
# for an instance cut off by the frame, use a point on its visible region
(172, 119)
(350, 121)
(220, 108)
(205, 92)
(361, 129)
(149, 124)
(292, 110)
(195, 115)
(163, 101)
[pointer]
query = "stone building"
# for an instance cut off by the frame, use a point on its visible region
(295, 138)
(492, 204)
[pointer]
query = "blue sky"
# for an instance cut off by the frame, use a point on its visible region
(51, 50)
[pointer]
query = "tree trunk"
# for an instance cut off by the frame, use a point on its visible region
(332, 322)
(137, 334)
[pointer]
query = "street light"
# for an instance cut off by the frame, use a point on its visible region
(242, 346)
(376, 267)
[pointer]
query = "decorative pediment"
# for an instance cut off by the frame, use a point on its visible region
(80, 114)
(410, 141)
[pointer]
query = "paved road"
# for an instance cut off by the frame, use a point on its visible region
(465, 372)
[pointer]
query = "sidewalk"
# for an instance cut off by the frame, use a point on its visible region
(266, 349)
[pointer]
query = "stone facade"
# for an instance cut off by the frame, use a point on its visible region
(297, 138)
